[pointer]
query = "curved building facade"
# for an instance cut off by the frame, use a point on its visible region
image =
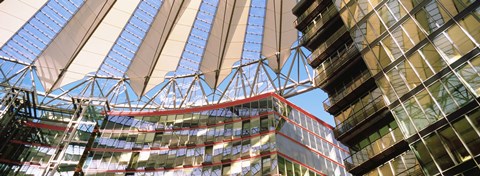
(261, 135)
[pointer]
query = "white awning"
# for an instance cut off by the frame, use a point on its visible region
(175, 45)
(58, 56)
(218, 36)
(147, 56)
(14, 14)
(226, 41)
(93, 53)
(279, 32)
(84, 42)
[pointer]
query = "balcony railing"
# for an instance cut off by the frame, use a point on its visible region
(325, 45)
(347, 89)
(365, 111)
(301, 6)
(412, 171)
(408, 161)
(375, 148)
(330, 65)
(306, 13)
(312, 29)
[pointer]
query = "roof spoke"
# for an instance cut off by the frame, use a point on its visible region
(220, 40)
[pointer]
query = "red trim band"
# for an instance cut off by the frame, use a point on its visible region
(45, 126)
(311, 132)
(241, 119)
(179, 168)
(311, 149)
(201, 166)
(302, 111)
(218, 124)
(190, 110)
(180, 147)
(217, 106)
(211, 144)
(300, 163)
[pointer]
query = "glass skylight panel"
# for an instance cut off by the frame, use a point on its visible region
(253, 39)
(198, 37)
(118, 59)
(40, 30)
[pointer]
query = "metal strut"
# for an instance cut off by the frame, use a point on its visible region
(67, 136)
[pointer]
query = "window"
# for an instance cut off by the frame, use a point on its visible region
(246, 148)
(392, 46)
(246, 128)
(454, 144)
(404, 121)
(297, 169)
(419, 119)
(432, 57)
(458, 91)
(384, 52)
(425, 159)
(409, 74)
(470, 76)
(246, 167)
(228, 131)
(289, 167)
(256, 167)
(467, 132)
(384, 12)
(372, 63)
(438, 151)
(255, 125)
(429, 106)
(264, 124)
(420, 65)
(281, 166)
(266, 164)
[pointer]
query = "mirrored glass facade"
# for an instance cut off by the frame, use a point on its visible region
(262, 135)
(413, 89)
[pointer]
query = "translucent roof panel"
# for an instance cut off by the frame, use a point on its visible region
(155, 54)
(117, 61)
(40, 30)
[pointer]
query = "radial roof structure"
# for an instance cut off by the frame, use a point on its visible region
(150, 54)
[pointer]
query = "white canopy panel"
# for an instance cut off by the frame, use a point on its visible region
(173, 49)
(141, 41)
(14, 14)
(147, 55)
(218, 35)
(279, 32)
(226, 40)
(235, 41)
(58, 56)
(102, 40)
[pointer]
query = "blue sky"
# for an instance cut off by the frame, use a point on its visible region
(312, 102)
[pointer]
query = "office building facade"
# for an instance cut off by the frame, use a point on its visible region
(403, 83)
(261, 135)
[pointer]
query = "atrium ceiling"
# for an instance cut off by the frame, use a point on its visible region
(150, 54)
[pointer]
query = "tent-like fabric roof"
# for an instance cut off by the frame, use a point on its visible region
(85, 32)
(142, 42)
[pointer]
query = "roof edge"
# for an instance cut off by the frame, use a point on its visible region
(219, 105)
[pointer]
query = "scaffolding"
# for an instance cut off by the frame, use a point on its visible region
(41, 139)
